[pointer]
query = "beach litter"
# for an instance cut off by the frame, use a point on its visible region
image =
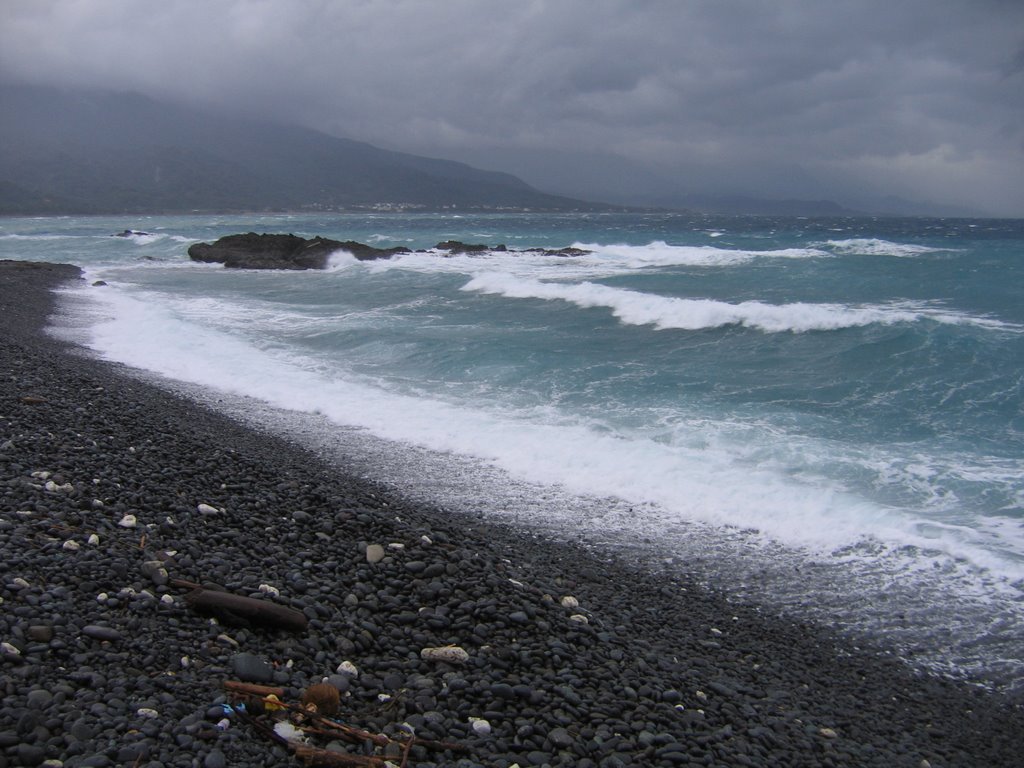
(300, 727)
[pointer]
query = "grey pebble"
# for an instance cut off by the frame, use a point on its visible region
(251, 668)
(39, 698)
(97, 632)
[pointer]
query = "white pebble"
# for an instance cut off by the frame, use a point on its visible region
(9, 649)
(128, 521)
(42, 474)
(347, 668)
(828, 733)
(570, 602)
(715, 631)
(396, 545)
(701, 695)
(206, 509)
(269, 590)
(19, 582)
(167, 599)
(480, 726)
(580, 618)
(426, 540)
(185, 662)
(223, 724)
(383, 698)
(147, 712)
(452, 654)
(94, 539)
(71, 545)
(102, 597)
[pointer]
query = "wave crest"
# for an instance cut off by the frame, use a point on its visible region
(666, 312)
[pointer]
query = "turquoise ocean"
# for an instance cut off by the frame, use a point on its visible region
(821, 416)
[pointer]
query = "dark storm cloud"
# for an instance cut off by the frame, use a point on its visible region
(921, 98)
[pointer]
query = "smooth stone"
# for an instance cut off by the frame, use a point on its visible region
(251, 668)
(155, 571)
(30, 754)
(82, 731)
(560, 738)
(9, 738)
(503, 691)
(374, 553)
(39, 633)
(39, 698)
(215, 759)
(101, 633)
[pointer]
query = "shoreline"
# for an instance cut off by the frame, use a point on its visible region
(663, 672)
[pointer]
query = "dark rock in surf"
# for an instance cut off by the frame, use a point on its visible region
(253, 251)
(456, 248)
(266, 251)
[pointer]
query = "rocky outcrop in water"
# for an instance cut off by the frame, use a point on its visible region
(253, 251)
(265, 251)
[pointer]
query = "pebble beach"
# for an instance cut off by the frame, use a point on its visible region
(117, 491)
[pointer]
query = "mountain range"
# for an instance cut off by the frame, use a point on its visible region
(86, 152)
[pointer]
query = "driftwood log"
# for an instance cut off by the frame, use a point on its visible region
(233, 608)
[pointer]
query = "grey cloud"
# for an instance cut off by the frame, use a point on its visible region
(924, 97)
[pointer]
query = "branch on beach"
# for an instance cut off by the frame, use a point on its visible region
(233, 608)
(310, 723)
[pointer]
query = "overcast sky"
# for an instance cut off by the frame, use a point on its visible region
(789, 98)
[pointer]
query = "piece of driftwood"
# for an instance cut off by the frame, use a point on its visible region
(252, 689)
(323, 758)
(313, 723)
(233, 608)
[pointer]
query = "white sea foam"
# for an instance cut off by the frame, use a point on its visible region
(599, 261)
(875, 247)
(704, 477)
(665, 312)
(661, 254)
(16, 236)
